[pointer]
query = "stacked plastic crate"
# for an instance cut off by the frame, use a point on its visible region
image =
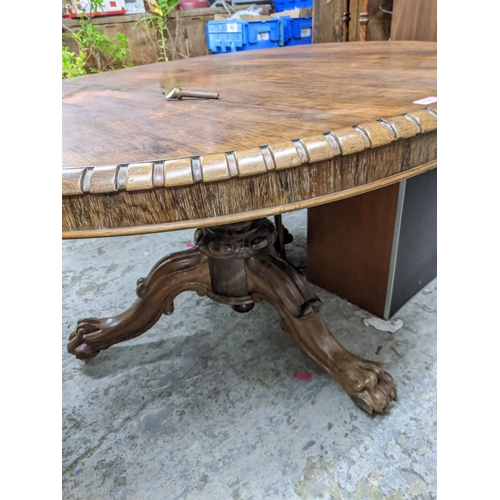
(297, 30)
(232, 35)
(281, 5)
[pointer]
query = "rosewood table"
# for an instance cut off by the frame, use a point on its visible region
(293, 128)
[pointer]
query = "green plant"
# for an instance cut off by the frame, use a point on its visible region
(157, 20)
(98, 46)
(93, 46)
(72, 65)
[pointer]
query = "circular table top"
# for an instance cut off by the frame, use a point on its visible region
(278, 109)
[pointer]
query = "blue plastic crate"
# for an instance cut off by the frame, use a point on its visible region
(237, 35)
(300, 31)
(263, 34)
(281, 5)
(225, 35)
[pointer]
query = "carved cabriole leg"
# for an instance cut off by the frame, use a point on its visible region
(274, 280)
(174, 274)
(238, 265)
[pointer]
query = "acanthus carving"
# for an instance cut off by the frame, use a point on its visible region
(236, 241)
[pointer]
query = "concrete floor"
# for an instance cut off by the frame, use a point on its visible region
(206, 404)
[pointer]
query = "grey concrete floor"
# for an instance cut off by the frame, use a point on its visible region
(206, 404)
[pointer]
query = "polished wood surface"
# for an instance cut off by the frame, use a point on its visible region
(316, 121)
(265, 97)
(415, 20)
(295, 127)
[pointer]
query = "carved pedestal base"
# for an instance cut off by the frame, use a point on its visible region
(238, 265)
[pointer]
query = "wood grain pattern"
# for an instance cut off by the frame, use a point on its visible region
(379, 133)
(290, 169)
(246, 198)
(72, 181)
(250, 162)
(327, 21)
(402, 126)
(220, 166)
(415, 20)
(379, 26)
(102, 179)
(318, 148)
(351, 140)
(139, 176)
(354, 9)
(341, 234)
(178, 172)
(333, 86)
(214, 168)
(242, 216)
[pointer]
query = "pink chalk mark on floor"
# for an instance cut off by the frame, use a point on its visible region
(190, 245)
(303, 376)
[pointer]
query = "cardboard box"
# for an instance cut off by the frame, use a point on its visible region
(293, 13)
(220, 17)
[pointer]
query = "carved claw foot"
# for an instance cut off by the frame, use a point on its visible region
(273, 279)
(370, 387)
(171, 276)
(77, 344)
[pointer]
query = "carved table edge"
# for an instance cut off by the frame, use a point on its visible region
(254, 214)
(242, 163)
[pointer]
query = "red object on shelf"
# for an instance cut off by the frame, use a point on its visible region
(75, 8)
(193, 4)
(97, 14)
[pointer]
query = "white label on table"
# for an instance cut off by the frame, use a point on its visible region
(427, 100)
(263, 36)
(232, 27)
(305, 32)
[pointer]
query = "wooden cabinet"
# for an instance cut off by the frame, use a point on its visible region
(376, 250)
(330, 17)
